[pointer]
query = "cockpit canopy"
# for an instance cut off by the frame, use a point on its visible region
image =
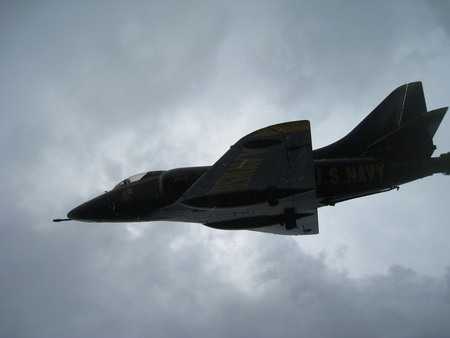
(138, 177)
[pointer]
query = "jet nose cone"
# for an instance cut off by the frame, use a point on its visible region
(95, 210)
(80, 213)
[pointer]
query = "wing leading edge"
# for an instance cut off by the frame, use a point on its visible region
(265, 182)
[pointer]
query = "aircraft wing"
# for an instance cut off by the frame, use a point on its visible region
(265, 180)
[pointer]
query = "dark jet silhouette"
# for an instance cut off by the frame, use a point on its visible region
(272, 181)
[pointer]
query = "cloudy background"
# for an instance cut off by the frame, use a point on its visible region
(93, 92)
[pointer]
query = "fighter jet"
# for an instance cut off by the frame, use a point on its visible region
(272, 181)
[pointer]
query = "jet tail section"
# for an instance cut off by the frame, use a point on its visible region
(399, 126)
(412, 140)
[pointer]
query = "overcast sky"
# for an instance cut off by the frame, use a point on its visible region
(92, 92)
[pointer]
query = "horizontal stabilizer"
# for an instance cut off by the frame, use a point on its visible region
(412, 140)
(399, 126)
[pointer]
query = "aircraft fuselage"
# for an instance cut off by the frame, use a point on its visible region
(153, 198)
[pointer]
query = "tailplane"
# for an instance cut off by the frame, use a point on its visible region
(400, 126)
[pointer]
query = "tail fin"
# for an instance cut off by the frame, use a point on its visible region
(399, 127)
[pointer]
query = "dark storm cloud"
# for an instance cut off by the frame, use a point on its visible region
(94, 92)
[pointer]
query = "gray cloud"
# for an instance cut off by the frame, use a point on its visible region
(97, 280)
